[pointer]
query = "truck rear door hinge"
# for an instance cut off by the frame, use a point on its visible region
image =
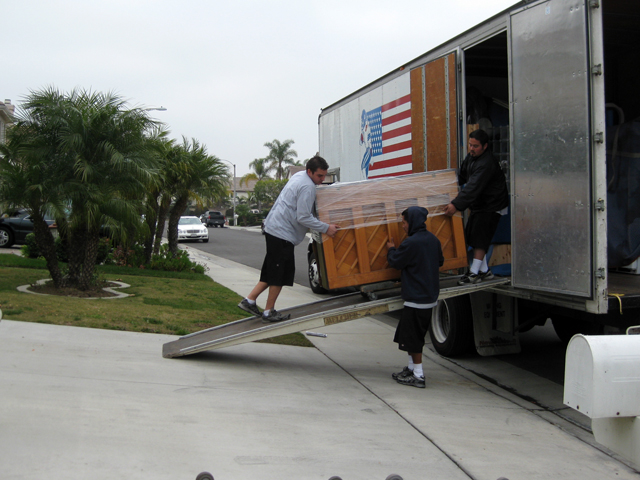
(597, 69)
(594, 4)
(598, 137)
(600, 273)
(600, 205)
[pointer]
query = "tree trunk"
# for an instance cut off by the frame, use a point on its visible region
(172, 231)
(86, 279)
(152, 221)
(165, 203)
(77, 246)
(47, 246)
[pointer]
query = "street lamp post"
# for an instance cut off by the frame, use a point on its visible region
(235, 220)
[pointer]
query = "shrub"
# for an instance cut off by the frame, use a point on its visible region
(104, 248)
(30, 248)
(126, 257)
(165, 260)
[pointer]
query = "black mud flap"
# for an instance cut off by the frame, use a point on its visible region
(494, 324)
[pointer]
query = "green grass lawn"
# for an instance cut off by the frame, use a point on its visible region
(162, 302)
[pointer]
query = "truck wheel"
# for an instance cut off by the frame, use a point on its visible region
(6, 237)
(567, 327)
(314, 275)
(451, 329)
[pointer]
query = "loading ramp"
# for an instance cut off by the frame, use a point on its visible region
(312, 315)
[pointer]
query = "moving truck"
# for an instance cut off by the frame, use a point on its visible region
(555, 84)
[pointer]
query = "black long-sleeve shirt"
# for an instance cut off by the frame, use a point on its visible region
(485, 187)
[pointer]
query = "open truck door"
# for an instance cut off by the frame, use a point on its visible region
(557, 151)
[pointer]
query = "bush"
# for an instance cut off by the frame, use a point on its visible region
(178, 263)
(104, 248)
(30, 248)
(126, 257)
(122, 256)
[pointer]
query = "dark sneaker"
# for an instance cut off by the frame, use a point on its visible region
(250, 308)
(486, 275)
(411, 381)
(469, 278)
(404, 373)
(275, 316)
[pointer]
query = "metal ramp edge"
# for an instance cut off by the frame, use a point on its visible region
(312, 315)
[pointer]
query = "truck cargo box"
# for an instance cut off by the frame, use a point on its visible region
(369, 213)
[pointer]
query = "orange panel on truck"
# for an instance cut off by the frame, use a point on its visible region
(369, 213)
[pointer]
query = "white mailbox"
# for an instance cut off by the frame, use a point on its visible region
(602, 375)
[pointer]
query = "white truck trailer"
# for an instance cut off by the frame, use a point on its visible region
(554, 83)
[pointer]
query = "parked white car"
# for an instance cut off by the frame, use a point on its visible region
(191, 228)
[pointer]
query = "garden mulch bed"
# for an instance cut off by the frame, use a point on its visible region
(93, 292)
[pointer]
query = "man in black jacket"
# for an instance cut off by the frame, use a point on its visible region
(419, 258)
(485, 194)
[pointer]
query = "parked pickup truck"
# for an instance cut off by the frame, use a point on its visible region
(213, 218)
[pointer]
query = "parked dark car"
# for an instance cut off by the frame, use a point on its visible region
(213, 218)
(15, 228)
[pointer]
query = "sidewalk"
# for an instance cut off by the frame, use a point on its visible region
(82, 403)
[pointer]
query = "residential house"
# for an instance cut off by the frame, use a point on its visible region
(6, 118)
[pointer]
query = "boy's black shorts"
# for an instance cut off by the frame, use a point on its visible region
(412, 329)
(279, 266)
(481, 226)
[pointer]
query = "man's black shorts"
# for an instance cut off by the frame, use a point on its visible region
(481, 226)
(279, 266)
(412, 329)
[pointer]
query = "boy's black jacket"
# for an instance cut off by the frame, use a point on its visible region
(419, 258)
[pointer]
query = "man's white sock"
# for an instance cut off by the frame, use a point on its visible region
(410, 365)
(252, 302)
(417, 371)
(484, 267)
(475, 266)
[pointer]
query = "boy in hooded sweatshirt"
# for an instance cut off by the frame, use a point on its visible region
(419, 259)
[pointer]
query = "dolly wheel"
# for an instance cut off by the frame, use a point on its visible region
(393, 476)
(204, 476)
(335, 478)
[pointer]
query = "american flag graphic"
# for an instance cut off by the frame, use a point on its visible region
(386, 134)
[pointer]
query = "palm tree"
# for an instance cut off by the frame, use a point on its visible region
(280, 155)
(157, 200)
(111, 168)
(28, 180)
(95, 154)
(194, 175)
(261, 170)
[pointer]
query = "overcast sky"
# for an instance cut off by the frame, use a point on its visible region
(233, 74)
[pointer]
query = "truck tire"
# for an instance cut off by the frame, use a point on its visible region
(451, 329)
(567, 327)
(314, 275)
(6, 237)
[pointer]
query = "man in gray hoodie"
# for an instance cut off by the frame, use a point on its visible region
(285, 227)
